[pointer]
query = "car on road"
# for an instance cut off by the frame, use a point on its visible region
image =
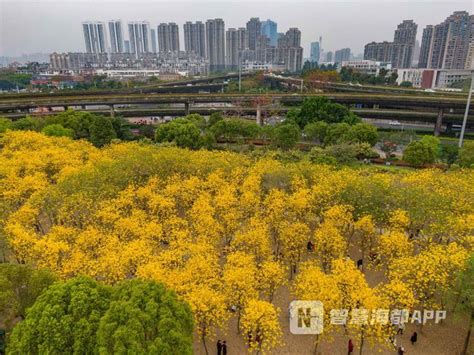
(394, 123)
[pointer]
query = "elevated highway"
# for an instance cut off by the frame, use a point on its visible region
(420, 105)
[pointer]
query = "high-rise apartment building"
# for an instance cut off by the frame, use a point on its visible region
(294, 59)
(329, 57)
(447, 45)
(404, 40)
(139, 35)
(470, 57)
(235, 44)
(254, 30)
(195, 38)
(126, 46)
(289, 50)
(294, 37)
(342, 55)
(215, 44)
(94, 37)
(406, 32)
(425, 49)
(269, 29)
(168, 37)
(315, 52)
(400, 51)
(154, 47)
(116, 36)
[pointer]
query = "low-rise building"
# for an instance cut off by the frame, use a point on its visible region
(124, 74)
(432, 78)
(370, 67)
(251, 66)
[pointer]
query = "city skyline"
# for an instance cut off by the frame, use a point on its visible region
(311, 30)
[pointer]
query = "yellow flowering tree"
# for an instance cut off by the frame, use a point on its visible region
(260, 326)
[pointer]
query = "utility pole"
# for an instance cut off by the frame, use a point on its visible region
(466, 112)
(240, 70)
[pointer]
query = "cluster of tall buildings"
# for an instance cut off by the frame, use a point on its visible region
(400, 51)
(257, 42)
(318, 55)
(450, 44)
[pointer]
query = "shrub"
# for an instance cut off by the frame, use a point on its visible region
(184, 133)
(362, 133)
(56, 130)
(418, 153)
(286, 136)
(466, 155)
(319, 155)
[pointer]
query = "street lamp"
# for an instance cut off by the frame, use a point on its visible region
(240, 70)
(466, 112)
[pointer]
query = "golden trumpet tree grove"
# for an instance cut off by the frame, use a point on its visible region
(228, 231)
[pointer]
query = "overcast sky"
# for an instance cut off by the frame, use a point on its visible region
(29, 26)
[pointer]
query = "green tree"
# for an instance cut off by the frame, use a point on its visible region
(207, 140)
(362, 133)
(418, 153)
(344, 153)
(285, 136)
(466, 155)
(83, 316)
(79, 122)
(197, 120)
(337, 133)
(122, 128)
(181, 131)
(145, 318)
(63, 320)
(214, 118)
(312, 110)
(406, 84)
(5, 124)
(101, 131)
(449, 153)
(56, 130)
(316, 131)
(20, 286)
(28, 123)
(235, 129)
(434, 144)
(462, 297)
(319, 155)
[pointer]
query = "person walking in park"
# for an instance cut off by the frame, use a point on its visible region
(219, 347)
(350, 347)
(224, 348)
(401, 328)
(414, 338)
(401, 350)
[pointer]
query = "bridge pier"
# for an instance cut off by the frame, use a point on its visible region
(259, 115)
(186, 108)
(112, 111)
(439, 122)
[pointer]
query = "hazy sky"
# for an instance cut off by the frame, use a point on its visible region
(28, 26)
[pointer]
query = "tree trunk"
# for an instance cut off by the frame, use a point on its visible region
(468, 335)
(363, 261)
(204, 343)
(361, 341)
(316, 344)
(238, 321)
